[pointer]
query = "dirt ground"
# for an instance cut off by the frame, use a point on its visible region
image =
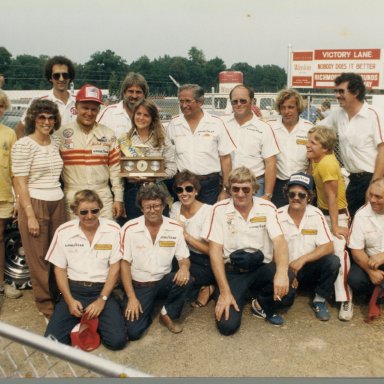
(303, 347)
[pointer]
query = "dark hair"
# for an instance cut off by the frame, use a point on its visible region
(187, 176)
(40, 106)
(356, 84)
(150, 191)
(85, 195)
(251, 92)
(59, 60)
(131, 79)
(311, 193)
(158, 133)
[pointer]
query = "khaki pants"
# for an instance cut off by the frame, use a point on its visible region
(50, 215)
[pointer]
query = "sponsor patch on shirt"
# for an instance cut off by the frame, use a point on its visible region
(301, 141)
(258, 219)
(167, 243)
(68, 132)
(103, 247)
(309, 231)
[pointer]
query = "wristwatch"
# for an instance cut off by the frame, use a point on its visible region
(226, 188)
(103, 297)
(268, 195)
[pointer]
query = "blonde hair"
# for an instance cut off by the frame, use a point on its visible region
(243, 175)
(325, 136)
(286, 94)
(4, 100)
(85, 195)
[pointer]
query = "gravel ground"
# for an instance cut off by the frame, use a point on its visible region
(303, 347)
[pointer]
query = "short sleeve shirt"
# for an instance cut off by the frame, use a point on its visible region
(115, 117)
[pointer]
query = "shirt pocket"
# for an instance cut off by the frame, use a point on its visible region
(372, 239)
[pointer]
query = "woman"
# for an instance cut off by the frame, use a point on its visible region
(194, 216)
(146, 130)
(7, 140)
(86, 256)
(36, 166)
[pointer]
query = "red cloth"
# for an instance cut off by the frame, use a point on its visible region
(374, 310)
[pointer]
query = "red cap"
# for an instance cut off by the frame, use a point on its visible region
(89, 92)
(84, 334)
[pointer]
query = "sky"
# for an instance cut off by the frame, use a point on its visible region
(251, 31)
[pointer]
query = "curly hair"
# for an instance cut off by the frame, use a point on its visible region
(286, 94)
(355, 86)
(151, 191)
(59, 60)
(86, 195)
(41, 106)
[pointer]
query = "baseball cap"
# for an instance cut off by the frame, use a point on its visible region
(89, 92)
(302, 179)
(84, 334)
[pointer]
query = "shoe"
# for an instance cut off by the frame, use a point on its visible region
(10, 291)
(168, 322)
(346, 311)
(257, 310)
(275, 320)
(321, 310)
(203, 299)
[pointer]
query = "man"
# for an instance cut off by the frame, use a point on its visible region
(247, 224)
(256, 146)
(309, 111)
(324, 110)
(366, 242)
(202, 144)
(91, 155)
(291, 133)
(60, 72)
(150, 243)
(118, 116)
(331, 200)
(309, 242)
(361, 137)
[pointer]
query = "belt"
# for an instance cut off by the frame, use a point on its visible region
(341, 211)
(232, 268)
(144, 283)
(87, 284)
(209, 176)
(360, 174)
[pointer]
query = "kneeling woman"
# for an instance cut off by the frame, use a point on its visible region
(194, 216)
(86, 256)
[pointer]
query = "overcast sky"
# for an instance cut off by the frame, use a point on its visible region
(252, 31)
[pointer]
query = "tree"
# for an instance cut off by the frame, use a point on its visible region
(5, 60)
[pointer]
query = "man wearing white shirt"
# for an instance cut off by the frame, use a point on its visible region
(202, 144)
(361, 137)
(256, 145)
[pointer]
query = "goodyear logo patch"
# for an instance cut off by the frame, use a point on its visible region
(167, 243)
(103, 247)
(309, 231)
(301, 141)
(258, 219)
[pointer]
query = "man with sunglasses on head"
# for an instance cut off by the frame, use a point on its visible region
(60, 72)
(256, 145)
(310, 243)
(360, 129)
(248, 252)
(202, 144)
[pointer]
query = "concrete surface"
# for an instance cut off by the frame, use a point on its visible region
(303, 347)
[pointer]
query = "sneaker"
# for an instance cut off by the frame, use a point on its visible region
(346, 311)
(321, 310)
(10, 291)
(275, 319)
(257, 310)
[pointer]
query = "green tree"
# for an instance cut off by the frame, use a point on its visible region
(5, 60)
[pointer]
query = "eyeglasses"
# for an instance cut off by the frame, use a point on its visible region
(155, 207)
(56, 76)
(301, 195)
(43, 118)
(239, 101)
(186, 101)
(245, 190)
(339, 90)
(188, 188)
(94, 211)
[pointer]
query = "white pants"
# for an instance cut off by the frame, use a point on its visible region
(342, 290)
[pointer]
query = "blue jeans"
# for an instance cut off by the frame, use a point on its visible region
(261, 190)
(111, 322)
(202, 272)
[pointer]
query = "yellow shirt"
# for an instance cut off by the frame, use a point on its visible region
(328, 169)
(7, 139)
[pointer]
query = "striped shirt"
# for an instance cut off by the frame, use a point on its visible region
(42, 165)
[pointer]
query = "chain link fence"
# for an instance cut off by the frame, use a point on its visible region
(27, 355)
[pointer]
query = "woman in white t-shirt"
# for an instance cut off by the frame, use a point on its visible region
(194, 216)
(36, 166)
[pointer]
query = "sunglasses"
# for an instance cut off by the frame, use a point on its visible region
(240, 101)
(94, 211)
(245, 190)
(43, 118)
(188, 188)
(301, 195)
(339, 90)
(56, 76)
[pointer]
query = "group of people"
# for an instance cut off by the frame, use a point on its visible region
(232, 220)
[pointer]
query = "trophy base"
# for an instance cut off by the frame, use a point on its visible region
(143, 174)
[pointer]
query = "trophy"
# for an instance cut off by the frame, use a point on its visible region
(135, 162)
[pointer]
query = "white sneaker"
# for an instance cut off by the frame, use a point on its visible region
(346, 311)
(10, 291)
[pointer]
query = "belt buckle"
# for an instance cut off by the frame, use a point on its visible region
(88, 283)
